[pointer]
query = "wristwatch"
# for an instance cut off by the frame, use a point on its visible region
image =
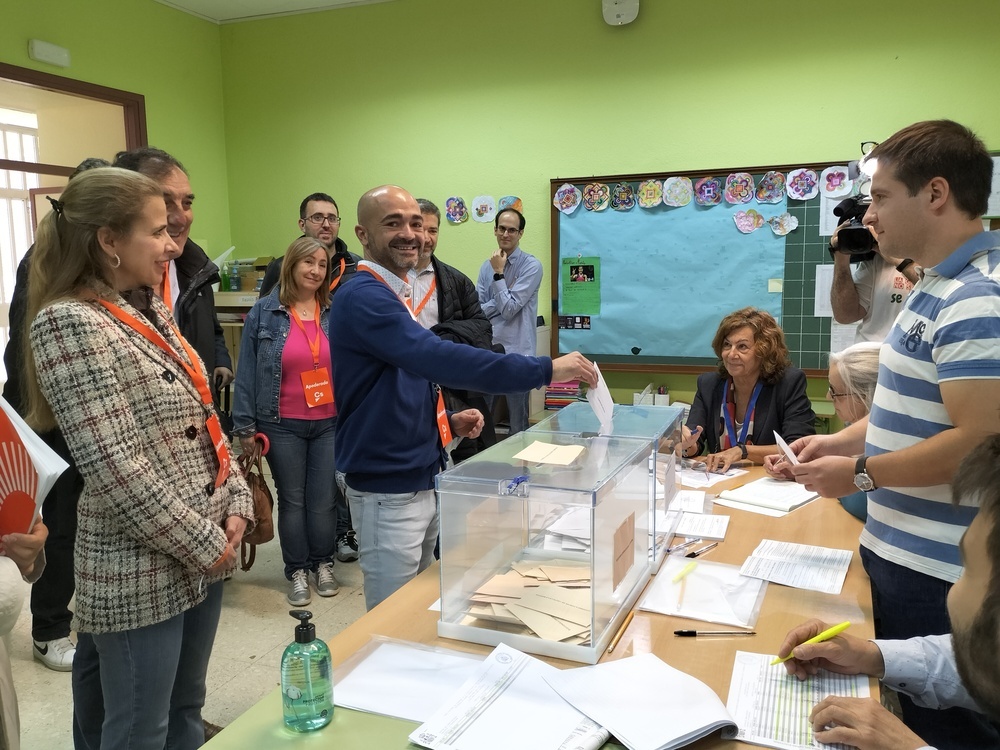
(497, 276)
(904, 264)
(743, 450)
(862, 479)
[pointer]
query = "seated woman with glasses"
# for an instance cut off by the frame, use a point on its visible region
(853, 375)
(754, 393)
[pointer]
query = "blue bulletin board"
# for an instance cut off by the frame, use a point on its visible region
(647, 287)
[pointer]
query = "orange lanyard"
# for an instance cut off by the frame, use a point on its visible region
(199, 380)
(427, 297)
(336, 281)
(166, 289)
(378, 276)
(313, 345)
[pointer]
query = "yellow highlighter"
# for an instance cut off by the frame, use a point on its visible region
(824, 636)
(687, 569)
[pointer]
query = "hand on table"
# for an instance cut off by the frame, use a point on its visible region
(843, 654)
(862, 723)
(777, 467)
(830, 476)
(721, 461)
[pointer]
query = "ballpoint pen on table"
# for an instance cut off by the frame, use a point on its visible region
(621, 631)
(684, 545)
(824, 636)
(703, 550)
(695, 633)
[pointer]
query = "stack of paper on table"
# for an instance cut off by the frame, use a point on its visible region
(644, 703)
(546, 598)
(773, 494)
(507, 703)
(702, 525)
(802, 566)
(712, 592)
(698, 477)
(688, 501)
(772, 708)
(406, 680)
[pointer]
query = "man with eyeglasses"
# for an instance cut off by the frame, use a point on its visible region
(319, 218)
(508, 293)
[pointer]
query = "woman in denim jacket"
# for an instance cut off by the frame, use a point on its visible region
(285, 391)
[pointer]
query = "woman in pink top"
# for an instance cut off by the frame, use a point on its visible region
(284, 389)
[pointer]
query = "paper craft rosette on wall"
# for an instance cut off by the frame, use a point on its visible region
(748, 221)
(510, 201)
(739, 188)
(596, 196)
(650, 193)
(771, 188)
(483, 209)
(567, 198)
(677, 191)
(708, 191)
(834, 182)
(782, 224)
(455, 210)
(622, 197)
(803, 184)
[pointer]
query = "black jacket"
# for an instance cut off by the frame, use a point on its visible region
(13, 355)
(272, 275)
(462, 319)
(782, 407)
(195, 309)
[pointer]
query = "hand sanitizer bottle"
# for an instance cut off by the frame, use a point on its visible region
(306, 678)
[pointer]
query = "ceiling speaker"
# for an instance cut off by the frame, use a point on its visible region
(620, 12)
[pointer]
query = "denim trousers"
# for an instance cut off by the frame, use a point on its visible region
(517, 410)
(396, 536)
(301, 458)
(343, 510)
(908, 604)
(145, 688)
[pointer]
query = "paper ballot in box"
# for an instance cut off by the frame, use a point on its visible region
(28, 469)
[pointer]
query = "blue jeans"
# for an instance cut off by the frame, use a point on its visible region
(517, 410)
(151, 682)
(396, 538)
(343, 510)
(301, 458)
(907, 604)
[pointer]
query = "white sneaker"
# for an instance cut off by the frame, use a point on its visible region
(298, 591)
(57, 654)
(326, 584)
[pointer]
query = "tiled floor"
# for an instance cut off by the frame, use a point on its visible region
(254, 630)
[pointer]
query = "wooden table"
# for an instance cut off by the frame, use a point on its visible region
(405, 615)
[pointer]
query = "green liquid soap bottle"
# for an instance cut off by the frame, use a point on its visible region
(306, 678)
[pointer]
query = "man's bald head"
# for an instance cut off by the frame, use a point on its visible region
(390, 228)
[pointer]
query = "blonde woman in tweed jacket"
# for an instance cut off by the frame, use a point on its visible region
(159, 518)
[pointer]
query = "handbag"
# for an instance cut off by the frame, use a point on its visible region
(263, 506)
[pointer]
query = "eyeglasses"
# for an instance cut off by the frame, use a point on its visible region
(320, 218)
(503, 231)
(833, 394)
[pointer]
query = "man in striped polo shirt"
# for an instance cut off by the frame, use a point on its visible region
(938, 394)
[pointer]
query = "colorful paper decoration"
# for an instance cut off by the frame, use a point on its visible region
(567, 198)
(622, 197)
(455, 210)
(596, 196)
(677, 191)
(739, 188)
(510, 201)
(771, 188)
(483, 209)
(708, 191)
(834, 182)
(650, 193)
(748, 221)
(803, 184)
(782, 224)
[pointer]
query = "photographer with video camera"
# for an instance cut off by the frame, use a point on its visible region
(876, 290)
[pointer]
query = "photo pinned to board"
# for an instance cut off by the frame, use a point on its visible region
(677, 191)
(835, 183)
(739, 188)
(455, 210)
(650, 193)
(748, 221)
(510, 201)
(596, 196)
(708, 191)
(803, 184)
(771, 188)
(484, 208)
(782, 224)
(567, 198)
(623, 197)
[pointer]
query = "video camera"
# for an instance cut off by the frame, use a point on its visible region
(855, 239)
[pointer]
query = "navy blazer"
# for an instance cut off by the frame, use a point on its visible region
(783, 406)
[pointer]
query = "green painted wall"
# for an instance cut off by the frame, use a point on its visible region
(173, 59)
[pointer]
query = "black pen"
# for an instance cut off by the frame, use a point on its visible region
(703, 550)
(685, 545)
(695, 633)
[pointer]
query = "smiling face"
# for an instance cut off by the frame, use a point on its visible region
(390, 229)
(431, 229)
(508, 232)
(145, 251)
(179, 199)
(849, 406)
(309, 274)
(739, 354)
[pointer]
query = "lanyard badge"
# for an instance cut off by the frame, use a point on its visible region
(316, 385)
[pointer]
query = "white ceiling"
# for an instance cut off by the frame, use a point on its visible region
(233, 11)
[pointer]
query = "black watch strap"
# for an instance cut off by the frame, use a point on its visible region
(743, 450)
(497, 276)
(904, 264)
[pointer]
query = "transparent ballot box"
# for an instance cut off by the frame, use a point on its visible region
(544, 542)
(652, 423)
